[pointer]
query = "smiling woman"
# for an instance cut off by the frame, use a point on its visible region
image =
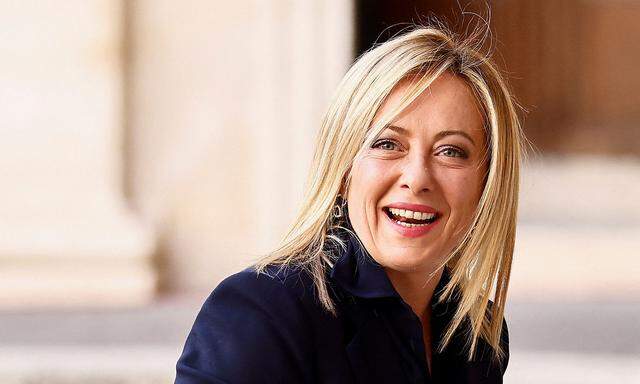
(427, 162)
(406, 231)
(414, 191)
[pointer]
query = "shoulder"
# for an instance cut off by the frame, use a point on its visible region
(486, 364)
(504, 343)
(253, 325)
(283, 293)
(504, 336)
(488, 353)
(291, 280)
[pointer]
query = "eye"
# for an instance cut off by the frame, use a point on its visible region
(453, 152)
(386, 144)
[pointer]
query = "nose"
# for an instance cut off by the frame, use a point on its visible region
(416, 174)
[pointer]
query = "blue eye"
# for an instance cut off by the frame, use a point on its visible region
(385, 144)
(453, 152)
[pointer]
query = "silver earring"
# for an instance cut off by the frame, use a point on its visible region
(338, 207)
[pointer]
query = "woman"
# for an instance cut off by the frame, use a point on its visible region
(407, 227)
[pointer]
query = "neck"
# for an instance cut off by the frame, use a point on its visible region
(415, 289)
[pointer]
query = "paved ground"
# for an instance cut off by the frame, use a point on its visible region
(551, 343)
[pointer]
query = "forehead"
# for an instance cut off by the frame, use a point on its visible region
(448, 103)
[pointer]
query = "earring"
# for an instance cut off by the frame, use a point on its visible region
(338, 210)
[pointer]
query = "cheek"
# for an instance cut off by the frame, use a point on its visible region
(462, 191)
(370, 180)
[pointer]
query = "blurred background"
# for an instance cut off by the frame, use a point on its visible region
(151, 148)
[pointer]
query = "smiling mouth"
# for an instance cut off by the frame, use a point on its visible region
(409, 218)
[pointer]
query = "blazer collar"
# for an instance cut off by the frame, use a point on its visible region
(358, 273)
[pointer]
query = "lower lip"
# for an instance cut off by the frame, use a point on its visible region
(410, 231)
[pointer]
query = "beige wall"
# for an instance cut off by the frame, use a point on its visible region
(201, 113)
(67, 236)
(225, 100)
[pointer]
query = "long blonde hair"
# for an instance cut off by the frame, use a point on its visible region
(481, 262)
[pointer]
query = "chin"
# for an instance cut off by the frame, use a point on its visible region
(403, 262)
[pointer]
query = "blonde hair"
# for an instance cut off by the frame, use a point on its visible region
(484, 254)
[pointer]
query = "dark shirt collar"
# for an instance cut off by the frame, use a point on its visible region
(358, 273)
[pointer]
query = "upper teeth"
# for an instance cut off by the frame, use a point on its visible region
(412, 214)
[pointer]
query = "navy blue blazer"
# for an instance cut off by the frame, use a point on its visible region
(271, 329)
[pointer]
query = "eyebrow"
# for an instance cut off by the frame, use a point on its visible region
(439, 135)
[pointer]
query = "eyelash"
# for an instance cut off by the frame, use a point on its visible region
(384, 141)
(460, 153)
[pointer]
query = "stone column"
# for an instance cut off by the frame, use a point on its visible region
(226, 100)
(67, 236)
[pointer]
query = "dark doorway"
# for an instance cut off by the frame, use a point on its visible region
(571, 64)
(379, 20)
